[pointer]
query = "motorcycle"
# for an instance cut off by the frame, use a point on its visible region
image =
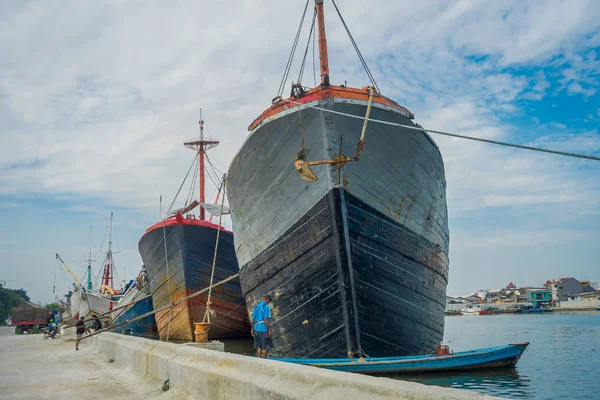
(48, 334)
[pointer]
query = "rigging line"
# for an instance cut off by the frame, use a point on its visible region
(192, 186)
(310, 34)
(180, 187)
(72, 260)
(217, 180)
(418, 128)
(214, 263)
(103, 238)
(313, 61)
(157, 310)
(169, 277)
(360, 56)
(212, 169)
(215, 168)
(292, 53)
(54, 284)
(213, 178)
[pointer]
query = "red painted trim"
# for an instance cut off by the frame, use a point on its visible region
(326, 92)
(185, 221)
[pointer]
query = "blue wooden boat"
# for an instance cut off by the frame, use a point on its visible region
(492, 357)
(137, 293)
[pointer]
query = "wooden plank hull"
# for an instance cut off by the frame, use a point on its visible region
(144, 326)
(355, 263)
(93, 304)
(190, 251)
(339, 287)
(493, 357)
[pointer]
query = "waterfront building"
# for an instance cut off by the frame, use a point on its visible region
(538, 297)
(566, 288)
(493, 295)
(583, 296)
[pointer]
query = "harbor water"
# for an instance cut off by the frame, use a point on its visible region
(562, 361)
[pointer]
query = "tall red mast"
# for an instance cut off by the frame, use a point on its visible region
(201, 146)
(324, 61)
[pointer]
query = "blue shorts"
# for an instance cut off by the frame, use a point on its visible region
(262, 341)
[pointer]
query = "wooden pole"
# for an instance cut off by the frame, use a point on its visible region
(323, 58)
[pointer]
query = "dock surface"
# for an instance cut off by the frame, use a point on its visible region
(34, 368)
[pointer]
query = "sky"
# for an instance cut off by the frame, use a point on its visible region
(96, 99)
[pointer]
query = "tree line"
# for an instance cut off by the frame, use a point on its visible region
(10, 298)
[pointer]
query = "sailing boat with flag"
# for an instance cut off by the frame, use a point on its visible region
(339, 212)
(181, 253)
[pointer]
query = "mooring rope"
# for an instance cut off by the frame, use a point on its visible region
(477, 139)
(212, 274)
(199, 292)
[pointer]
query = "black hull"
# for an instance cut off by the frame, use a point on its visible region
(347, 280)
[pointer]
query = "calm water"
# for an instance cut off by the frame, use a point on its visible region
(562, 361)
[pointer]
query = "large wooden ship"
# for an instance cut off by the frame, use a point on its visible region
(342, 219)
(178, 255)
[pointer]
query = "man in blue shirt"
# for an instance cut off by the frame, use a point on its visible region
(261, 329)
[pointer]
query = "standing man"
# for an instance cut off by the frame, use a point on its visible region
(80, 326)
(97, 323)
(261, 329)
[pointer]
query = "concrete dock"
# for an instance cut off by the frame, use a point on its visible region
(31, 367)
(34, 368)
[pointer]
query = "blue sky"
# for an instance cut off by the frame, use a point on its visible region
(96, 100)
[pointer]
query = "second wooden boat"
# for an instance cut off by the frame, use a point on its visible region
(491, 357)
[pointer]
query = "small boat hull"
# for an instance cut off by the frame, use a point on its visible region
(145, 326)
(492, 357)
(75, 302)
(93, 304)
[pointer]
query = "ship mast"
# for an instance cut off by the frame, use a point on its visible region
(108, 278)
(201, 145)
(323, 59)
(89, 260)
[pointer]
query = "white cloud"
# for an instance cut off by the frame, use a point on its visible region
(96, 99)
(576, 88)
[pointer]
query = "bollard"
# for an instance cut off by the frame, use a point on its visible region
(201, 331)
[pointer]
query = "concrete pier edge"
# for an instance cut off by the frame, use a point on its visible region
(208, 374)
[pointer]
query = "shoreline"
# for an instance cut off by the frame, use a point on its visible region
(141, 365)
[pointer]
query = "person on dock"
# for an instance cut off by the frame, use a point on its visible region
(97, 323)
(52, 329)
(261, 329)
(80, 330)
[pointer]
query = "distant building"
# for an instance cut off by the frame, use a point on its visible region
(493, 295)
(567, 289)
(538, 297)
(584, 296)
(474, 299)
